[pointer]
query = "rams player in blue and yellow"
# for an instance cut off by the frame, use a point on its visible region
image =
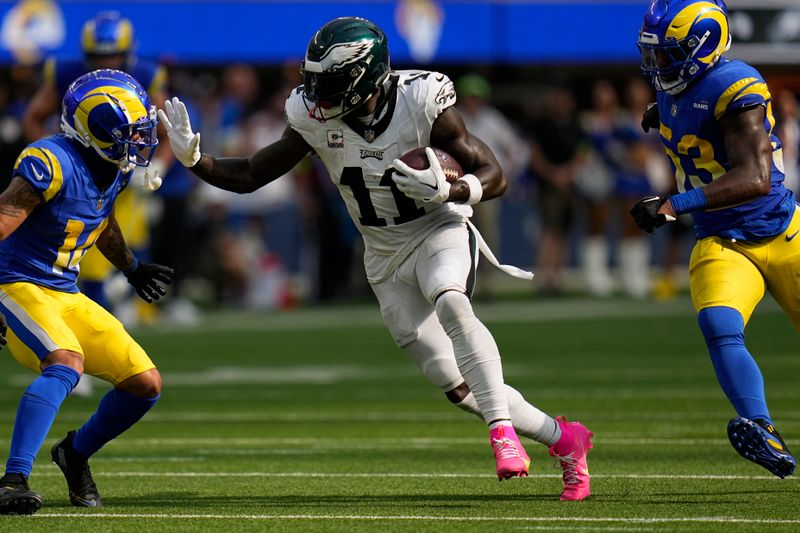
(59, 203)
(107, 42)
(715, 121)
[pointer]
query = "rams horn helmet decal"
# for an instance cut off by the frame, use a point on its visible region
(109, 111)
(680, 40)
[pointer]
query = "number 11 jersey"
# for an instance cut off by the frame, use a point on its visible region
(358, 158)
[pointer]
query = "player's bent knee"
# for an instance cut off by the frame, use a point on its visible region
(453, 307)
(721, 325)
(66, 358)
(458, 394)
(145, 385)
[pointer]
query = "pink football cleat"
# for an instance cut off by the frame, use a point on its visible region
(571, 450)
(512, 461)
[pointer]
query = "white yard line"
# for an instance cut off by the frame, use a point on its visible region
(191, 417)
(384, 442)
(52, 472)
(573, 519)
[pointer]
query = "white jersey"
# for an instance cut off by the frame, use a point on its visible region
(359, 164)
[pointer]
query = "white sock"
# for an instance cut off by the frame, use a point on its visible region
(476, 353)
(595, 266)
(527, 420)
(634, 259)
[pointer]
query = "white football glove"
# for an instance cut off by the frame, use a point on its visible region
(429, 185)
(149, 177)
(184, 142)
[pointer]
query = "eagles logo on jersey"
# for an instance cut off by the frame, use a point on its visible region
(391, 223)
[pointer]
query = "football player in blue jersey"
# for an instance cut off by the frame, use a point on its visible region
(107, 42)
(59, 203)
(715, 121)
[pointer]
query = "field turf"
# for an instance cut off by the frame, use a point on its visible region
(313, 421)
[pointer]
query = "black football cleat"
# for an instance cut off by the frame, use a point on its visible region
(82, 490)
(16, 497)
(758, 441)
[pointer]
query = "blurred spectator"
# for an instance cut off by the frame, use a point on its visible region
(641, 170)
(12, 106)
(489, 125)
(556, 136)
(788, 131)
(265, 225)
(170, 245)
(595, 182)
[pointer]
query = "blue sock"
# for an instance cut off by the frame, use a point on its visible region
(737, 371)
(96, 291)
(118, 411)
(35, 414)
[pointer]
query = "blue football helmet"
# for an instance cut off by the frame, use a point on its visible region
(109, 111)
(108, 33)
(680, 40)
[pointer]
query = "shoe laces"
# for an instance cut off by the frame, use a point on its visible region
(506, 448)
(570, 466)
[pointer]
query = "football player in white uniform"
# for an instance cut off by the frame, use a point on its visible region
(358, 116)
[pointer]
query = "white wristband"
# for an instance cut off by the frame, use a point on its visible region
(475, 188)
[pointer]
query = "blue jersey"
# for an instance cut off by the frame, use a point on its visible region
(48, 246)
(693, 139)
(62, 73)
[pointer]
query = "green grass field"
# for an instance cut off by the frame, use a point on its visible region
(313, 421)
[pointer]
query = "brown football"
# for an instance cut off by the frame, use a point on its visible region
(418, 160)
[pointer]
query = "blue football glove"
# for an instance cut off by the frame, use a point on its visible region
(147, 278)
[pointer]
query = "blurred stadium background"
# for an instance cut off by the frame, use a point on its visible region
(268, 386)
(563, 76)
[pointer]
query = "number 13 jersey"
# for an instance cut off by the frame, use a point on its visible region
(358, 158)
(694, 141)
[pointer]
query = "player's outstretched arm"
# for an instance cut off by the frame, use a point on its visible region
(147, 279)
(450, 134)
(16, 203)
(237, 174)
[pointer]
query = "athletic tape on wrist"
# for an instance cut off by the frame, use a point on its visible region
(689, 201)
(475, 188)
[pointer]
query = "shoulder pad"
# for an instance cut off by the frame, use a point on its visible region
(40, 167)
(738, 86)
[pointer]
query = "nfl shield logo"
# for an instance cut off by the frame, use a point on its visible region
(674, 110)
(99, 204)
(369, 135)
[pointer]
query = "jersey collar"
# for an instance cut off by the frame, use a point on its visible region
(370, 132)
